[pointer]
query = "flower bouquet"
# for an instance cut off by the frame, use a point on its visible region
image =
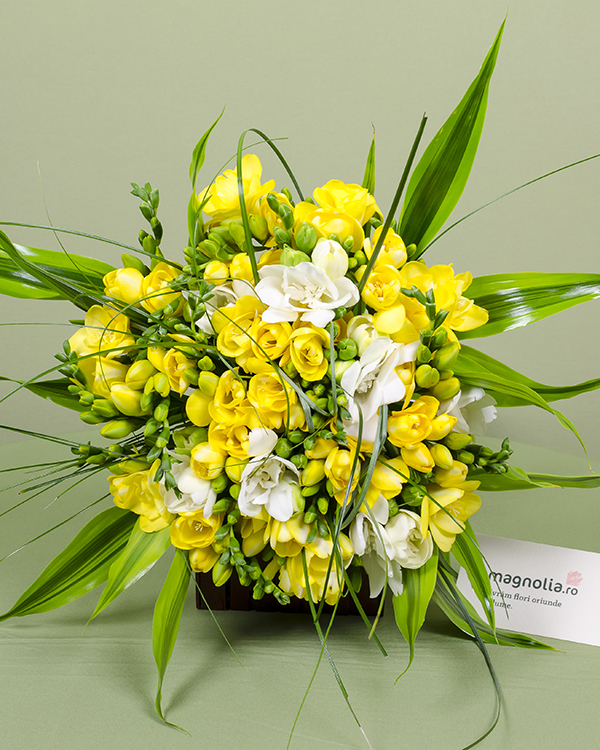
(292, 406)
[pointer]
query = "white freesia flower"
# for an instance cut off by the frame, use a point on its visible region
(405, 533)
(373, 381)
(473, 409)
(305, 292)
(223, 294)
(372, 543)
(330, 257)
(196, 493)
(268, 481)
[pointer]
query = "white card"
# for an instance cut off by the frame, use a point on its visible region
(548, 591)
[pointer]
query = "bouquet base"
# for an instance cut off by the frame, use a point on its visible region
(232, 595)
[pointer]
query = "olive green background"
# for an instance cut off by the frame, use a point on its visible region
(100, 94)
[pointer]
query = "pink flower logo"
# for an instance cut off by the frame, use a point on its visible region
(574, 578)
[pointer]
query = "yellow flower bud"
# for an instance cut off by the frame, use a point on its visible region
(271, 397)
(441, 426)
(338, 467)
(156, 290)
(127, 400)
(234, 468)
(452, 476)
(138, 374)
(223, 198)
(306, 352)
(240, 267)
(202, 559)
(216, 272)
(442, 456)
(207, 462)
(418, 457)
(196, 408)
(312, 473)
(208, 382)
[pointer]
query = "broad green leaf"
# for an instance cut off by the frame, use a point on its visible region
(143, 550)
(471, 359)
(17, 282)
(442, 172)
(514, 300)
(80, 567)
(54, 280)
(199, 152)
(55, 391)
(517, 479)
(167, 615)
(444, 597)
(500, 387)
(369, 177)
(470, 558)
(411, 605)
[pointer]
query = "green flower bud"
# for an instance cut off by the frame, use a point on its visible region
(104, 408)
(299, 460)
(209, 248)
(310, 491)
(423, 354)
(290, 370)
(361, 258)
(335, 237)
(323, 505)
(205, 363)
(446, 389)
(393, 505)
(90, 418)
(146, 401)
(283, 448)
(220, 483)
(234, 490)
(258, 227)
(290, 257)
(117, 429)
(348, 243)
(412, 495)
(306, 238)
(86, 398)
(130, 261)
(191, 375)
(161, 384)
(456, 441)
(273, 202)
(427, 376)
(445, 374)
(282, 237)
(466, 457)
(221, 573)
(310, 515)
(352, 263)
(439, 338)
(322, 528)
(296, 437)
(411, 251)
(237, 233)
(445, 357)
(286, 215)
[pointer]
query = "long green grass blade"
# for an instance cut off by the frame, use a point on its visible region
(468, 555)
(199, 152)
(472, 359)
(143, 550)
(514, 300)
(369, 177)
(440, 176)
(411, 605)
(444, 597)
(165, 623)
(80, 567)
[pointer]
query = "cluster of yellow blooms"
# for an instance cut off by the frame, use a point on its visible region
(289, 357)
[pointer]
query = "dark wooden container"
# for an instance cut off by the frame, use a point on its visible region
(234, 596)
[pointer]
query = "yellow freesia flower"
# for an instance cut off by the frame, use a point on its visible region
(139, 493)
(338, 467)
(233, 439)
(306, 352)
(392, 252)
(223, 199)
(272, 399)
(353, 200)
(193, 530)
(388, 478)
(233, 323)
(124, 284)
(127, 400)
(447, 512)
(104, 331)
(173, 364)
(196, 408)
(414, 424)
(157, 292)
(230, 405)
(202, 559)
(328, 222)
(255, 533)
(206, 461)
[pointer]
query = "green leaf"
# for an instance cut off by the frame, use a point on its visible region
(515, 300)
(53, 280)
(445, 597)
(369, 177)
(15, 281)
(143, 550)
(500, 388)
(53, 390)
(80, 567)
(516, 479)
(442, 172)
(165, 623)
(199, 152)
(471, 359)
(470, 558)
(411, 605)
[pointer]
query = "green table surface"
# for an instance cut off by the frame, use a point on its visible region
(65, 685)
